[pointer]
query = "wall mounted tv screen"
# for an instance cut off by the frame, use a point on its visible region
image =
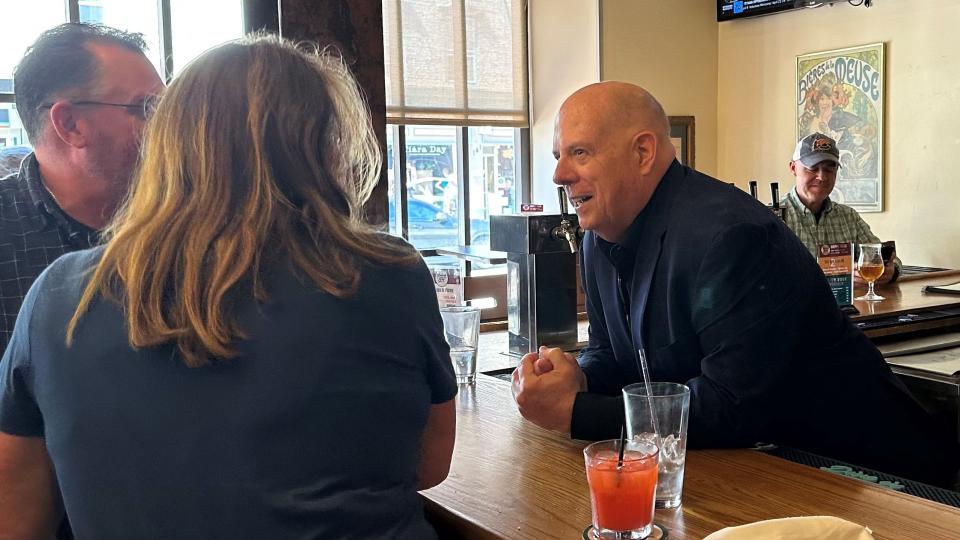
(736, 9)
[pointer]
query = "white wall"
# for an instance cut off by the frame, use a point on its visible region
(668, 47)
(756, 113)
(564, 56)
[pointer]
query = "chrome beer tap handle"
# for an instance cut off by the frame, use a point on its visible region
(566, 230)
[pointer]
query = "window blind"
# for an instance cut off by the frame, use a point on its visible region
(456, 62)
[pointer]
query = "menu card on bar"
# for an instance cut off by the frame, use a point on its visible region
(836, 261)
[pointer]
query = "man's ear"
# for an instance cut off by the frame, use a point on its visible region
(645, 147)
(793, 167)
(69, 129)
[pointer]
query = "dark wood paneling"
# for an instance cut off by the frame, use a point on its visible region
(261, 15)
(355, 28)
(488, 287)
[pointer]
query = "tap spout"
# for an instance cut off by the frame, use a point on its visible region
(567, 230)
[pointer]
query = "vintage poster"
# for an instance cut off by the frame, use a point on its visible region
(840, 93)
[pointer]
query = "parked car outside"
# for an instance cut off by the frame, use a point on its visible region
(430, 227)
(441, 192)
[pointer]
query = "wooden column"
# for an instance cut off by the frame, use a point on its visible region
(355, 28)
(261, 15)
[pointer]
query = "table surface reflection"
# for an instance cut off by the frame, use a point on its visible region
(511, 479)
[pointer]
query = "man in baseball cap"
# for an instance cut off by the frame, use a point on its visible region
(816, 148)
(812, 215)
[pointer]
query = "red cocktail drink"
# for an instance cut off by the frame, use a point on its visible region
(622, 496)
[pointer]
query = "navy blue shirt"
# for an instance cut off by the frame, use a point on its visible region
(313, 431)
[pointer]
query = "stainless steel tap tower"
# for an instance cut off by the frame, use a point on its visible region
(541, 276)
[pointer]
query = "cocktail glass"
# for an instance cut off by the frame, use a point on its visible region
(621, 492)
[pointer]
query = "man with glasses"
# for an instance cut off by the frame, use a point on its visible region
(812, 216)
(83, 93)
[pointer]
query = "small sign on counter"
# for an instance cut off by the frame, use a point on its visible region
(449, 286)
(836, 261)
(530, 208)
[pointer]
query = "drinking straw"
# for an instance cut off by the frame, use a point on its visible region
(645, 372)
(623, 442)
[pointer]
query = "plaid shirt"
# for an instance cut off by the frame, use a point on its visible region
(34, 231)
(838, 224)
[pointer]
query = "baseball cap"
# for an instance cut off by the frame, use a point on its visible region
(815, 148)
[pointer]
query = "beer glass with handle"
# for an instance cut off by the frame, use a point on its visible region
(870, 268)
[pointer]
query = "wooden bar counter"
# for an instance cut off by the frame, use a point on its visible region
(903, 298)
(907, 300)
(512, 479)
(907, 295)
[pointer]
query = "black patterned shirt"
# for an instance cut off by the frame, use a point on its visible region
(34, 231)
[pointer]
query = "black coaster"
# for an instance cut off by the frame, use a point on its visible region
(659, 532)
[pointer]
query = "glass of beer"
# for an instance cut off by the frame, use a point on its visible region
(870, 268)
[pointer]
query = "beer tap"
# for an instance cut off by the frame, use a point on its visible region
(566, 230)
(775, 203)
(541, 276)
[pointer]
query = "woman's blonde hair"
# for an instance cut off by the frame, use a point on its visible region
(260, 151)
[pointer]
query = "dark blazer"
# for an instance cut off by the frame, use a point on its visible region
(734, 306)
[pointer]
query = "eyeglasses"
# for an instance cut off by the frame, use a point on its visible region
(141, 109)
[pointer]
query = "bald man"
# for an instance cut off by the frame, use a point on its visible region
(722, 297)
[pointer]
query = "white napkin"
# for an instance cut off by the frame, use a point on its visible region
(796, 528)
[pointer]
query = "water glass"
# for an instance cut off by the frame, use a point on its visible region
(670, 407)
(461, 327)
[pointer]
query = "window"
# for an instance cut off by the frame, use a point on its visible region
(131, 16)
(471, 52)
(429, 171)
(427, 45)
(456, 96)
(192, 27)
(91, 11)
(20, 28)
(493, 177)
(471, 69)
(197, 26)
(11, 130)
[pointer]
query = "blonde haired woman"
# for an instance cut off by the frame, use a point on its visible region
(244, 358)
